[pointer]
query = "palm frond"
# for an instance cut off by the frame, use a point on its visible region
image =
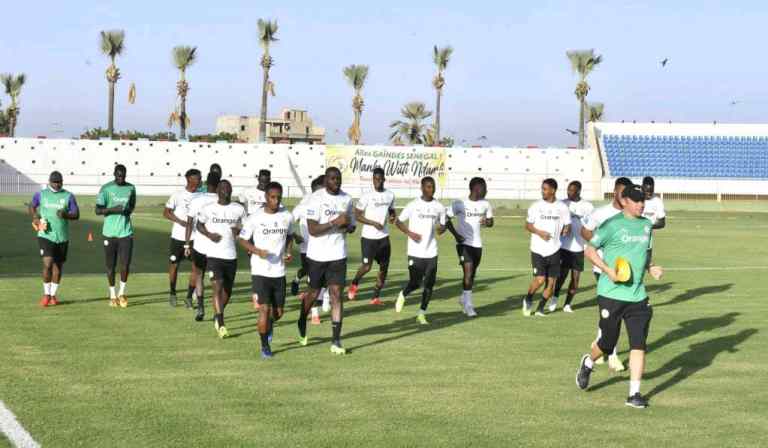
(13, 84)
(184, 56)
(267, 32)
(596, 111)
(112, 42)
(583, 61)
(415, 110)
(442, 56)
(356, 75)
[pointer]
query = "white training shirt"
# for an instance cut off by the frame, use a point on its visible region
(268, 231)
(596, 219)
(654, 209)
(422, 217)
(469, 213)
(376, 206)
(179, 203)
(324, 207)
(573, 242)
(222, 219)
(300, 217)
(253, 198)
(550, 217)
(195, 207)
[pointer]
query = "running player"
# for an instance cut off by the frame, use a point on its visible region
(51, 210)
(266, 235)
(253, 198)
(426, 220)
(654, 210)
(374, 209)
(572, 250)
(116, 202)
(176, 211)
(472, 214)
(548, 220)
(626, 235)
(329, 219)
(220, 224)
(590, 223)
(195, 247)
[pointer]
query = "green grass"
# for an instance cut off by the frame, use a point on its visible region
(83, 374)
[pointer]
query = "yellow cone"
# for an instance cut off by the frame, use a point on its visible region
(623, 270)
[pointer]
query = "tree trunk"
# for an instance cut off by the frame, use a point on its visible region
(437, 117)
(183, 118)
(263, 117)
(582, 106)
(111, 114)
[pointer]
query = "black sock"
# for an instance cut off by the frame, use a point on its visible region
(173, 288)
(529, 297)
(190, 292)
(220, 319)
(356, 281)
(302, 322)
(336, 333)
(569, 298)
(426, 296)
(377, 291)
(264, 340)
(540, 308)
(200, 303)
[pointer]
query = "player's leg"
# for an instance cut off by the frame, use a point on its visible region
(565, 268)
(218, 311)
(110, 262)
(552, 267)
(430, 276)
(47, 275)
(316, 272)
(608, 334)
(299, 275)
(124, 256)
(173, 271)
(263, 296)
(383, 255)
(199, 263)
(477, 256)
(637, 321)
(539, 278)
(415, 277)
(57, 270)
(336, 275)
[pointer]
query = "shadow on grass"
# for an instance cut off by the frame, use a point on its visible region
(693, 293)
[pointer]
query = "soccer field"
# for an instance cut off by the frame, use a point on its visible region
(85, 374)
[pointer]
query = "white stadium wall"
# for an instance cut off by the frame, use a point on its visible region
(157, 168)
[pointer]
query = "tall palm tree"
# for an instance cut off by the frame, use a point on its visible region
(582, 63)
(112, 45)
(183, 57)
(440, 57)
(413, 130)
(596, 111)
(13, 85)
(356, 76)
(267, 31)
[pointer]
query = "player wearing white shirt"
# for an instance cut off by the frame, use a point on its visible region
(654, 210)
(572, 250)
(373, 210)
(220, 224)
(253, 198)
(472, 214)
(176, 211)
(426, 220)
(195, 247)
(548, 219)
(329, 219)
(590, 224)
(266, 235)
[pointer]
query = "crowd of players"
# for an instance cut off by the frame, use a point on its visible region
(209, 225)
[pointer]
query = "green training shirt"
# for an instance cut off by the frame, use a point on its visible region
(112, 195)
(628, 238)
(48, 203)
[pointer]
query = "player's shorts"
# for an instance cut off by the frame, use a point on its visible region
(571, 261)
(269, 290)
(304, 263)
(176, 251)
(637, 320)
(118, 250)
(548, 266)
(469, 254)
(329, 273)
(57, 251)
(422, 268)
(200, 260)
(224, 271)
(376, 250)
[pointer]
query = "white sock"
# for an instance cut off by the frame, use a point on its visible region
(615, 352)
(634, 387)
(589, 363)
(54, 288)
(112, 293)
(324, 294)
(47, 289)
(122, 288)
(315, 311)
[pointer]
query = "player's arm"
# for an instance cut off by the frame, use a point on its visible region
(660, 223)
(591, 253)
(404, 228)
(289, 248)
(392, 215)
(452, 230)
(442, 222)
(71, 212)
(131, 203)
(32, 209)
(101, 206)
(566, 230)
(542, 234)
(250, 248)
(215, 237)
(360, 216)
(188, 230)
(170, 216)
(487, 222)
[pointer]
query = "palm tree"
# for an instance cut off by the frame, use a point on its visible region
(596, 111)
(3, 122)
(183, 57)
(440, 57)
(582, 63)
(13, 85)
(356, 76)
(112, 45)
(267, 31)
(413, 129)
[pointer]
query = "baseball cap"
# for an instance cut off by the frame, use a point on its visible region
(634, 192)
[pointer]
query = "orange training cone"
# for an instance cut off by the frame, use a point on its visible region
(90, 236)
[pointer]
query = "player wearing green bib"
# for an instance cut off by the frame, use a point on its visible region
(51, 210)
(626, 236)
(116, 202)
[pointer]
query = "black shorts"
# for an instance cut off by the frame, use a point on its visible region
(571, 261)
(545, 266)
(322, 273)
(199, 260)
(118, 250)
(57, 251)
(422, 268)
(304, 263)
(269, 290)
(223, 271)
(176, 251)
(637, 320)
(469, 254)
(376, 250)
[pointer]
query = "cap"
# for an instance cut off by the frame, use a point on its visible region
(634, 192)
(55, 177)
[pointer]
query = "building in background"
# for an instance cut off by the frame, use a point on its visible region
(293, 126)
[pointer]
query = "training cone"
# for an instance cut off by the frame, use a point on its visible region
(90, 236)
(623, 270)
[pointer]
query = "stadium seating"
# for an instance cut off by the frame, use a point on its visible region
(739, 157)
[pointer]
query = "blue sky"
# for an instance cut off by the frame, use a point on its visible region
(509, 78)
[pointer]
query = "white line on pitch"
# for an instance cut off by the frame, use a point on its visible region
(13, 430)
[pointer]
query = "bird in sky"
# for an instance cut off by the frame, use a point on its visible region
(734, 102)
(664, 62)
(571, 131)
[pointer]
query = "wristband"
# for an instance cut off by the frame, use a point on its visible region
(186, 246)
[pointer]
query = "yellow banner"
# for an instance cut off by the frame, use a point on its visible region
(403, 167)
